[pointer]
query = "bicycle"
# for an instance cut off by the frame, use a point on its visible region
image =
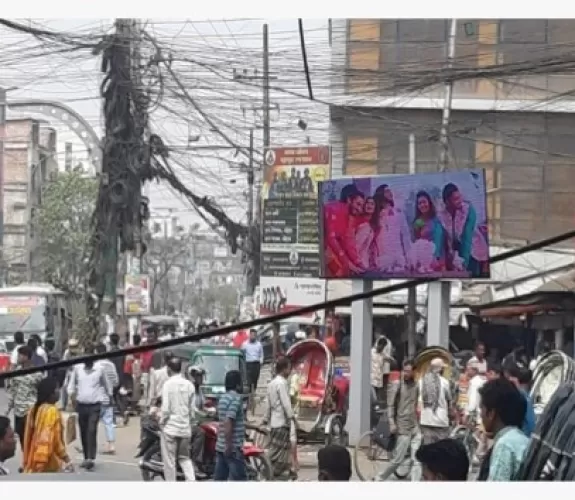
(469, 437)
(372, 444)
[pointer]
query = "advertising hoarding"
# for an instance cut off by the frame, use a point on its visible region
(431, 225)
(290, 260)
(137, 294)
(290, 237)
(278, 295)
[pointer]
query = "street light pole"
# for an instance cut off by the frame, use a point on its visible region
(2, 167)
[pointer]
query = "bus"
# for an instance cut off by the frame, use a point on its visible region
(34, 308)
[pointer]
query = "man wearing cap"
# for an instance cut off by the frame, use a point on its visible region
(435, 403)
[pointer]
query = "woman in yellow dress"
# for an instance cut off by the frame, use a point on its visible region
(44, 448)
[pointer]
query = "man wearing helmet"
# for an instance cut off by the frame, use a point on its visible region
(196, 375)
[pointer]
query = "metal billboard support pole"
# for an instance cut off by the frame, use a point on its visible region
(439, 292)
(358, 419)
(412, 291)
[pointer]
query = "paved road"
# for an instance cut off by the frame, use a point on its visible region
(123, 466)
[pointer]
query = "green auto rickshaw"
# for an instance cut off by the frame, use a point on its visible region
(217, 361)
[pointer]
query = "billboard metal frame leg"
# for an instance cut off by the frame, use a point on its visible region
(360, 363)
(438, 304)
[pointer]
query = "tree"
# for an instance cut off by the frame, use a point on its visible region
(167, 260)
(63, 225)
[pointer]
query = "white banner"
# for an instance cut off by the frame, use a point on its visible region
(288, 294)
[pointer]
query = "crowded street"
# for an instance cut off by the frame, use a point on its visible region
(123, 466)
(376, 284)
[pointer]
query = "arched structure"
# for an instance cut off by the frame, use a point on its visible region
(73, 120)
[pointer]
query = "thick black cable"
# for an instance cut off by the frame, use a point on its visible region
(304, 58)
(328, 304)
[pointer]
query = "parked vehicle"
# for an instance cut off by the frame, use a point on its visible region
(4, 360)
(151, 466)
(35, 308)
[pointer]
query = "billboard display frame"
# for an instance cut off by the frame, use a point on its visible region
(419, 244)
(290, 216)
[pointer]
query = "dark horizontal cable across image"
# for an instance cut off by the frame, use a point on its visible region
(343, 301)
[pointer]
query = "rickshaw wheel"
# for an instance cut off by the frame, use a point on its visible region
(259, 468)
(336, 434)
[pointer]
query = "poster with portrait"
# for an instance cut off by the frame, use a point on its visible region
(290, 237)
(431, 225)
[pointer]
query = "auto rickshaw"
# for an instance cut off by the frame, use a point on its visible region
(215, 360)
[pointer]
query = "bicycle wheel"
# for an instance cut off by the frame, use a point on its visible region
(368, 457)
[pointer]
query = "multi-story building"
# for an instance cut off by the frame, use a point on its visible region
(510, 117)
(29, 163)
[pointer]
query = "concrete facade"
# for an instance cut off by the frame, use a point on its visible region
(30, 163)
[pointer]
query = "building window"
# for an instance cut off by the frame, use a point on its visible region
(421, 30)
(523, 31)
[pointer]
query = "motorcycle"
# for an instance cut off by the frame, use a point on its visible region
(258, 466)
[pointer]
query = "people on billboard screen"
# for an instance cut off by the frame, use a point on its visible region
(430, 229)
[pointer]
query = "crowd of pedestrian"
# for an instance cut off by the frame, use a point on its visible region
(494, 404)
(421, 414)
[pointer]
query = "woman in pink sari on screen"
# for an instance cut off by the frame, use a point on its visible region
(364, 236)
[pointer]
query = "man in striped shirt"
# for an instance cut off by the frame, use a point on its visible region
(107, 408)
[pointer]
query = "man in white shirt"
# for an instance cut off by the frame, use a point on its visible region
(435, 402)
(476, 381)
(479, 358)
(254, 359)
(472, 413)
(176, 419)
(89, 386)
(158, 377)
(18, 342)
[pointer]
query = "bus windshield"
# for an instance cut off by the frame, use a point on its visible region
(22, 313)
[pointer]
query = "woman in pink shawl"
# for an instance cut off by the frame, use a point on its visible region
(364, 236)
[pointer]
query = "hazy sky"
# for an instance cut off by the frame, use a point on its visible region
(39, 72)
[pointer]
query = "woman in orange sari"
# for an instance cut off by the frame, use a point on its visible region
(44, 448)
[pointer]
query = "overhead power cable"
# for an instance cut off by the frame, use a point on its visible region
(304, 58)
(246, 325)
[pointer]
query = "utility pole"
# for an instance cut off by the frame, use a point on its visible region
(118, 216)
(445, 120)
(3, 267)
(266, 100)
(265, 108)
(252, 271)
(439, 292)
(411, 291)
